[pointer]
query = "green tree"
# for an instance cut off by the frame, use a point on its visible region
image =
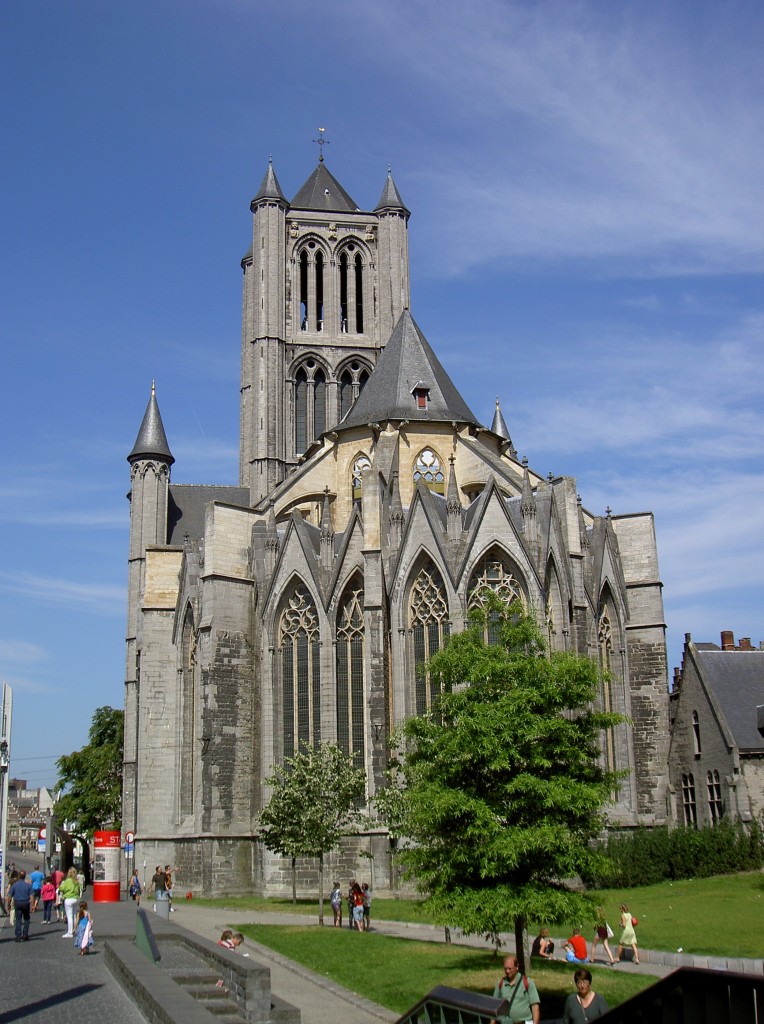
(313, 805)
(502, 786)
(91, 778)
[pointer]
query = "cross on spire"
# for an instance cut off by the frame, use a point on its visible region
(321, 142)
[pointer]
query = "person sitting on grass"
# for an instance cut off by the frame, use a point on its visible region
(542, 945)
(575, 948)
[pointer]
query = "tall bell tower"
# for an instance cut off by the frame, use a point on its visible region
(324, 284)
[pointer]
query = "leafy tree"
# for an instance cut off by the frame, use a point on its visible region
(92, 777)
(501, 784)
(312, 807)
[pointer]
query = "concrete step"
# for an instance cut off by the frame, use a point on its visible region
(221, 1008)
(211, 993)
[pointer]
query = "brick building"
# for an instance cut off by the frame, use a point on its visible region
(373, 507)
(716, 757)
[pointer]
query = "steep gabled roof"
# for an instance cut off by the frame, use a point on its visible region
(737, 681)
(406, 363)
(322, 191)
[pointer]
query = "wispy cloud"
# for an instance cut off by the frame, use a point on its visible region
(97, 597)
(20, 652)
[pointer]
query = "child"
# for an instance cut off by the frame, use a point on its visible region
(83, 934)
(48, 895)
(225, 939)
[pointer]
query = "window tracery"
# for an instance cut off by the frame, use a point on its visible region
(428, 621)
(361, 464)
(493, 573)
(688, 801)
(351, 724)
(300, 649)
(715, 805)
(429, 469)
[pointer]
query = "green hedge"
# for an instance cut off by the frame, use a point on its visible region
(650, 855)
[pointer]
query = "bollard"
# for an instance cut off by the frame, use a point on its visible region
(162, 903)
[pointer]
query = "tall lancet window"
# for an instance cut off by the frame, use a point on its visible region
(344, 326)
(319, 404)
(361, 464)
(493, 573)
(300, 411)
(351, 726)
(352, 381)
(319, 291)
(358, 294)
(188, 755)
(300, 655)
(428, 619)
(605, 646)
(304, 290)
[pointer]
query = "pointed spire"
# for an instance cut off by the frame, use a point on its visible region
(391, 197)
(528, 503)
(499, 425)
(396, 513)
(327, 534)
(453, 504)
(269, 188)
(151, 442)
(582, 531)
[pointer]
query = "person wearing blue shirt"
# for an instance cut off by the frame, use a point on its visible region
(21, 894)
(36, 879)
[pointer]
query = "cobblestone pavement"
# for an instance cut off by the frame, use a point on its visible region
(46, 980)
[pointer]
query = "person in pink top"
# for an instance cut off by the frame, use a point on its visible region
(48, 896)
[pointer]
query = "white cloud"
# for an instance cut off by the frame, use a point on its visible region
(98, 597)
(21, 652)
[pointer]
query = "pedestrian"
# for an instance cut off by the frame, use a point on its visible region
(36, 878)
(83, 935)
(628, 935)
(158, 883)
(586, 1004)
(70, 893)
(48, 893)
(520, 993)
(543, 946)
(350, 896)
(225, 939)
(366, 893)
(357, 893)
(21, 895)
(335, 898)
(168, 885)
(57, 878)
(134, 888)
(9, 907)
(602, 933)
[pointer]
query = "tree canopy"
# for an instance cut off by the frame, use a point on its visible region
(501, 787)
(91, 778)
(313, 805)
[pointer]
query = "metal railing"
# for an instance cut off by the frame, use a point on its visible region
(692, 995)
(454, 1006)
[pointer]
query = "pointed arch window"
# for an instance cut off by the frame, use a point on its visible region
(309, 405)
(188, 717)
(605, 648)
(360, 465)
(429, 625)
(493, 573)
(696, 734)
(351, 271)
(351, 724)
(715, 805)
(352, 381)
(429, 469)
(689, 805)
(312, 264)
(300, 656)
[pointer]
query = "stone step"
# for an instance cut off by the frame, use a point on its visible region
(221, 1008)
(195, 979)
(213, 993)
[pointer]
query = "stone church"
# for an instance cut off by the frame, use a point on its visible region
(373, 509)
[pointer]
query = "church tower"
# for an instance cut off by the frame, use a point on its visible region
(324, 285)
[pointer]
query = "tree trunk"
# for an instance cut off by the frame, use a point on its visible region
(321, 888)
(520, 942)
(294, 880)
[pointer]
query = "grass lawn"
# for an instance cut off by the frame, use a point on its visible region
(396, 973)
(710, 916)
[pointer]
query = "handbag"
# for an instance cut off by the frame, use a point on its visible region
(609, 930)
(634, 922)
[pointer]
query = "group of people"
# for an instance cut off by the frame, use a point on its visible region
(162, 883)
(359, 905)
(524, 1004)
(575, 948)
(56, 890)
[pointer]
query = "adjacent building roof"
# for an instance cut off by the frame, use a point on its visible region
(151, 442)
(322, 191)
(185, 515)
(407, 365)
(737, 681)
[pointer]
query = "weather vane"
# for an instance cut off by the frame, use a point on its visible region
(321, 143)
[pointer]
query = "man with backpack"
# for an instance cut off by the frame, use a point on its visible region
(521, 994)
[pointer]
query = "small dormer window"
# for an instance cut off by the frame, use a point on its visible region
(421, 395)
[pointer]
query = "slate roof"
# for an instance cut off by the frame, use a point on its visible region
(322, 191)
(185, 514)
(269, 186)
(151, 441)
(737, 680)
(391, 197)
(499, 425)
(405, 362)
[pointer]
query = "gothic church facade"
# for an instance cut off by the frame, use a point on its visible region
(373, 508)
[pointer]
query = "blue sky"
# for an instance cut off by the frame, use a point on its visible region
(587, 243)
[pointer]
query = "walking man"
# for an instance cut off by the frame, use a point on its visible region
(520, 992)
(21, 894)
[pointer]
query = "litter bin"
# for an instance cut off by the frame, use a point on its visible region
(162, 904)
